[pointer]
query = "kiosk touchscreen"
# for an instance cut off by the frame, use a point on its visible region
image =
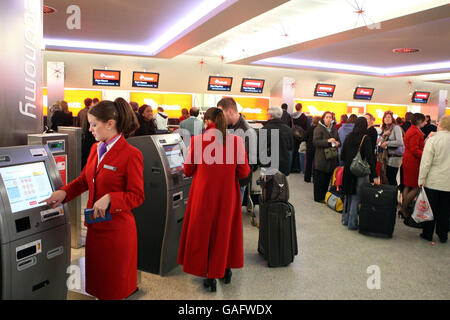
(159, 219)
(35, 239)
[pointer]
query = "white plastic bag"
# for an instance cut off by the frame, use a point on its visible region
(422, 209)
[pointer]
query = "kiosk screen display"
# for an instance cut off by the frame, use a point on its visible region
(26, 185)
(174, 156)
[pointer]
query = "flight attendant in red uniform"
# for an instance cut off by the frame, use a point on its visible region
(211, 239)
(114, 177)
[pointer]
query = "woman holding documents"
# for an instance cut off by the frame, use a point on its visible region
(113, 175)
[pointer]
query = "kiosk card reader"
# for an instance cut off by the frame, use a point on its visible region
(57, 143)
(34, 239)
(159, 219)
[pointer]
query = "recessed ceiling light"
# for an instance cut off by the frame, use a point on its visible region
(49, 10)
(405, 50)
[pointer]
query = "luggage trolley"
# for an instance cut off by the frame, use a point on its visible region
(253, 193)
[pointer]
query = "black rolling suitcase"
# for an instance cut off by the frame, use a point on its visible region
(378, 210)
(277, 233)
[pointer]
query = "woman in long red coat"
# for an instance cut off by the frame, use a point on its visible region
(414, 144)
(211, 241)
(114, 177)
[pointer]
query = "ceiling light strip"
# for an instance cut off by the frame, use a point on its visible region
(193, 17)
(351, 67)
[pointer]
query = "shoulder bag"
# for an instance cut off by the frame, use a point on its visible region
(396, 151)
(360, 167)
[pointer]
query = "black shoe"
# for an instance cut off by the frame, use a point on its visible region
(443, 240)
(227, 278)
(411, 223)
(425, 238)
(211, 284)
(401, 215)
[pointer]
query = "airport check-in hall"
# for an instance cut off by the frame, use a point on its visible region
(231, 149)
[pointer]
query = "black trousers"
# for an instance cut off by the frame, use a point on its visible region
(401, 185)
(321, 184)
(391, 174)
(440, 205)
(309, 165)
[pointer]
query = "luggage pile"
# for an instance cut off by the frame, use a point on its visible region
(277, 233)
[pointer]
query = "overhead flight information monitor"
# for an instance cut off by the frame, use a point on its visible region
(420, 97)
(363, 93)
(145, 79)
(252, 85)
(220, 83)
(26, 185)
(324, 90)
(110, 78)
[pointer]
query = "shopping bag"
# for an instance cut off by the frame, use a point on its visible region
(422, 209)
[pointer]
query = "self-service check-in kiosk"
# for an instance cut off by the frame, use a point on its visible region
(159, 219)
(35, 239)
(57, 143)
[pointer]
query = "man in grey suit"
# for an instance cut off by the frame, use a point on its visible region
(191, 125)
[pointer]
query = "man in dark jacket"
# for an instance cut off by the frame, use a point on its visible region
(239, 126)
(407, 124)
(285, 140)
(299, 118)
(300, 125)
(286, 117)
(429, 127)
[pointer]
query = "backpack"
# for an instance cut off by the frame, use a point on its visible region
(338, 176)
(299, 133)
(274, 186)
(334, 198)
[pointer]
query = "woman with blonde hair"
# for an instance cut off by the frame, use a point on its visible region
(433, 176)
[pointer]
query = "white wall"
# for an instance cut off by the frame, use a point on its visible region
(185, 74)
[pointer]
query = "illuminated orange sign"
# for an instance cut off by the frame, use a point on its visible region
(172, 103)
(253, 108)
(74, 98)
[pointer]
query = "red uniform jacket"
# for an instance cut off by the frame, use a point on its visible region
(111, 246)
(414, 144)
(212, 239)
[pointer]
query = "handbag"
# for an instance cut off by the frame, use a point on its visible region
(396, 151)
(335, 199)
(359, 167)
(302, 147)
(331, 153)
(422, 209)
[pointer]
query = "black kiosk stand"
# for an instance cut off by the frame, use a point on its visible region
(159, 220)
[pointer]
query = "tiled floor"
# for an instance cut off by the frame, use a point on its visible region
(332, 263)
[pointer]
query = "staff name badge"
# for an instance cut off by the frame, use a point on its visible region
(109, 167)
